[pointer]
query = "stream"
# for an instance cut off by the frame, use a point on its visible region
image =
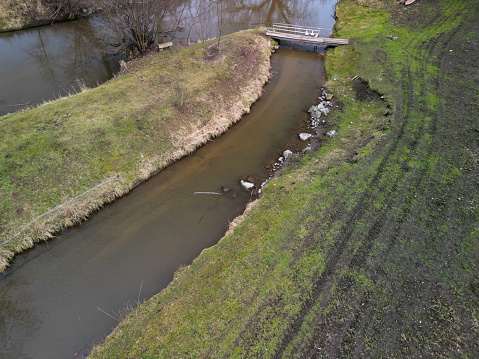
(64, 296)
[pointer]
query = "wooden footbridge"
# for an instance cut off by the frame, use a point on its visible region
(303, 34)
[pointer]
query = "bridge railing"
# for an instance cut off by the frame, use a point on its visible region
(297, 29)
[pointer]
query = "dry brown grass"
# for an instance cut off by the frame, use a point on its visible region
(240, 219)
(18, 14)
(15, 14)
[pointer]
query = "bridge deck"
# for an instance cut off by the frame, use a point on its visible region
(307, 39)
(303, 34)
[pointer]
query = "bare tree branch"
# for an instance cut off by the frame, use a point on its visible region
(135, 23)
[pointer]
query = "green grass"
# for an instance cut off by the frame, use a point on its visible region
(162, 108)
(367, 247)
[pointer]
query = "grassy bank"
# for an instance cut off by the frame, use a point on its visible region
(20, 14)
(83, 151)
(366, 248)
(14, 15)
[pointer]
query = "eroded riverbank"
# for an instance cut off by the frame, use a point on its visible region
(16, 15)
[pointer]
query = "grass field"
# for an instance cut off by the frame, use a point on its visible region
(367, 247)
(69, 157)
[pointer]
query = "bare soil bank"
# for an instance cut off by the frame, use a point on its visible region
(63, 160)
(367, 248)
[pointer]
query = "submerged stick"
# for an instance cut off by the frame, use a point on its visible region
(209, 209)
(139, 292)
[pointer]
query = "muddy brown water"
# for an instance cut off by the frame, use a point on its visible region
(63, 296)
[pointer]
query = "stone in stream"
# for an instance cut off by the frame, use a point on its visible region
(286, 154)
(247, 185)
(305, 136)
(225, 189)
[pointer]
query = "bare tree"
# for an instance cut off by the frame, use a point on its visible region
(135, 23)
(220, 9)
(201, 14)
(69, 8)
(208, 18)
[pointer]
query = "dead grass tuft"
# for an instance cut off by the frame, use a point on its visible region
(15, 14)
(240, 219)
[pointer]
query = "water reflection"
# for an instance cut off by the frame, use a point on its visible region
(14, 311)
(240, 15)
(275, 11)
(40, 55)
(47, 62)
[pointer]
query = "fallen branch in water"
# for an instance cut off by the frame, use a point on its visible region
(17, 104)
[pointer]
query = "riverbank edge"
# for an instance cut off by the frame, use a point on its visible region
(306, 270)
(238, 95)
(20, 19)
(44, 22)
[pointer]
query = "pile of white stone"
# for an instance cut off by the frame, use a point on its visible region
(321, 109)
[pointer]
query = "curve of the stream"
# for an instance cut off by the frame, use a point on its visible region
(63, 296)
(54, 297)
